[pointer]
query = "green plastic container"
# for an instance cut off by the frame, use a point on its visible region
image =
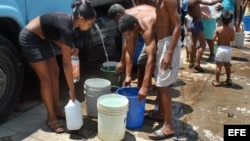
(108, 72)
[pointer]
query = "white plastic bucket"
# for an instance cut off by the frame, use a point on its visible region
(112, 114)
(93, 88)
(239, 39)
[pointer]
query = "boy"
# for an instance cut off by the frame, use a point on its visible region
(224, 35)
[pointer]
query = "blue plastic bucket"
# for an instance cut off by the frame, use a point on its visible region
(138, 49)
(135, 115)
(246, 23)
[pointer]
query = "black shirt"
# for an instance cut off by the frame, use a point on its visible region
(58, 26)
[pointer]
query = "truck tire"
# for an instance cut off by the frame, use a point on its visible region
(11, 77)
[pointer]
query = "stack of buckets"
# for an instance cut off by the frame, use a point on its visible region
(116, 112)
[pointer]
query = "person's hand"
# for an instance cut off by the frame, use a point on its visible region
(127, 81)
(219, 7)
(166, 63)
(206, 16)
(119, 68)
(75, 51)
(142, 94)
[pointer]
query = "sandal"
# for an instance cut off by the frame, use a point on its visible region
(159, 135)
(199, 69)
(151, 116)
(230, 82)
(56, 126)
(215, 84)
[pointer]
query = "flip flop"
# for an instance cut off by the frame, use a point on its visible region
(151, 116)
(159, 135)
(215, 84)
(230, 82)
(199, 69)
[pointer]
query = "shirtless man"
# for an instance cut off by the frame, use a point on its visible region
(145, 15)
(197, 29)
(168, 30)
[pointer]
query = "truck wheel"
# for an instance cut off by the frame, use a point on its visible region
(11, 77)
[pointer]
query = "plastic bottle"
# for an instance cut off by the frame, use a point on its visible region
(73, 112)
(75, 68)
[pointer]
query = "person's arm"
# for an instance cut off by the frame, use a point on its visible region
(130, 42)
(237, 16)
(209, 2)
(67, 67)
(150, 43)
(245, 4)
(121, 65)
(175, 21)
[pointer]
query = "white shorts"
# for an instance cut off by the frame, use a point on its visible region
(223, 54)
(167, 77)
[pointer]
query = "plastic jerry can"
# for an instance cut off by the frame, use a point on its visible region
(73, 112)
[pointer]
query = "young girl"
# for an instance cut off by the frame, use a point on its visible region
(224, 36)
(36, 41)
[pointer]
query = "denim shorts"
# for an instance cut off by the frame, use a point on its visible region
(197, 27)
(35, 49)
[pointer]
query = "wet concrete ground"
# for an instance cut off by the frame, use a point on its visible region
(200, 110)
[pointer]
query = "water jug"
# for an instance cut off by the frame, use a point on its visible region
(75, 68)
(73, 113)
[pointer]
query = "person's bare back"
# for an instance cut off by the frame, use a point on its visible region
(145, 15)
(225, 35)
(194, 10)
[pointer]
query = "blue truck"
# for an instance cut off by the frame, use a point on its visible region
(14, 15)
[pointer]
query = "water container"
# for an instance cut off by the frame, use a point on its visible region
(239, 39)
(108, 72)
(75, 68)
(94, 88)
(73, 111)
(135, 116)
(246, 21)
(112, 114)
